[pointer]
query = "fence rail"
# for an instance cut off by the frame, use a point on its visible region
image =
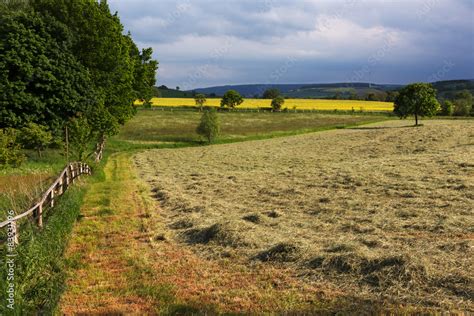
(67, 177)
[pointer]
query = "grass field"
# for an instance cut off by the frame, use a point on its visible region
(381, 214)
(290, 104)
(150, 127)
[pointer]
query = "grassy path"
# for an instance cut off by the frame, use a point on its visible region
(121, 262)
(101, 244)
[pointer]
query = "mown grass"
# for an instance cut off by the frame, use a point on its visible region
(122, 261)
(383, 213)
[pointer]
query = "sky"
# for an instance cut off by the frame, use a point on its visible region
(201, 43)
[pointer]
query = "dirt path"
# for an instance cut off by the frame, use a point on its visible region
(121, 262)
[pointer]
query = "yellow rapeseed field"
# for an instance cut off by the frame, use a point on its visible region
(300, 104)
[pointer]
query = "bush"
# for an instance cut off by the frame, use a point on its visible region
(10, 150)
(209, 126)
(35, 136)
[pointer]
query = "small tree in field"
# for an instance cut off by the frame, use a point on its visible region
(209, 127)
(418, 99)
(200, 100)
(36, 136)
(277, 103)
(231, 99)
(10, 150)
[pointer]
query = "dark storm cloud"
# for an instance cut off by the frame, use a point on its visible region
(208, 42)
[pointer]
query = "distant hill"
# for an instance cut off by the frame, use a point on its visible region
(317, 91)
(165, 92)
(344, 90)
(449, 89)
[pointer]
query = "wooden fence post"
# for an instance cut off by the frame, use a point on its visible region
(72, 173)
(61, 188)
(14, 230)
(52, 198)
(40, 215)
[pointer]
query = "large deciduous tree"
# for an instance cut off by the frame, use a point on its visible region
(418, 99)
(63, 59)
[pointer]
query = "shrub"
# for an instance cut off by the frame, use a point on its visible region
(10, 150)
(35, 136)
(209, 126)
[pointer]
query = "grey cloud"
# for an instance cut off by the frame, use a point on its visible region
(329, 39)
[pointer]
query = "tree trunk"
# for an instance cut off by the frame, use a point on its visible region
(416, 119)
(100, 149)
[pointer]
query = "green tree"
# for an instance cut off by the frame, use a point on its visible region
(418, 99)
(200, 100)
(391, 96)
(209, 126)
(10, 149)
(40, 79)
(277, 103)
(447, 108)
(371, 97)
(80, 138)
(271, 94)
(463, 103)
(35, 136)
(353, 95)
(231, 99)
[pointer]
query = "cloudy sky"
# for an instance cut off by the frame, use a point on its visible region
(202, 43)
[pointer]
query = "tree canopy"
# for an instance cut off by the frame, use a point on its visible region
(61, 59)
(271, 94)
(418, 99)
(277, 103)
(231, 99)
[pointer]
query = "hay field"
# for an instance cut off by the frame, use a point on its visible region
(299, 104)
(383, 213)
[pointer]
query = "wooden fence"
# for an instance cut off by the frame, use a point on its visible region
(67, 177)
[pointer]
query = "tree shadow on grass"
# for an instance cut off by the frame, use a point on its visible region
(383, 127)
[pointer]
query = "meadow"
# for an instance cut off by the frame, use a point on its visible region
(381, 214)
(290, 104)
(288, 212)
(161, 128)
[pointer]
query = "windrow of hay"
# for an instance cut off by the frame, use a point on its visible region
(383, 212)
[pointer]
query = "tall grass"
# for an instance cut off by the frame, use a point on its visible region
(39, 264)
